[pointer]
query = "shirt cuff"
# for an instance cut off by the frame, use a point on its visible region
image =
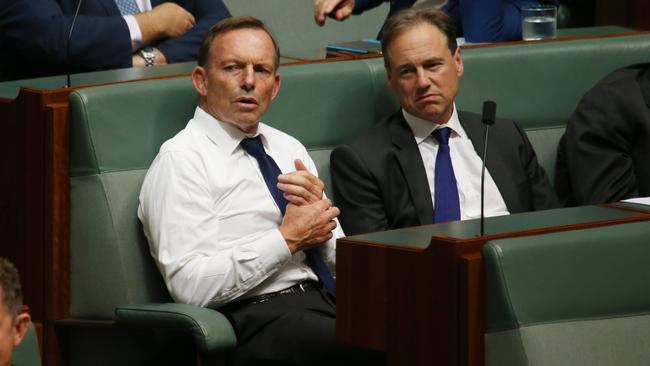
(134, 31)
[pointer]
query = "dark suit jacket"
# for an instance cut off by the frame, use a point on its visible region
(379, 179)
(476, 20)
(34, 34)
(605, 152)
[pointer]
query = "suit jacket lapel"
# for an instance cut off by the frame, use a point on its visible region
(495, 163)
(410, 161)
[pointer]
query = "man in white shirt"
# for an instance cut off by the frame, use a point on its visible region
(390, 177)
(225, 230)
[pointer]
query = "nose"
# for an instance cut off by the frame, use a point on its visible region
(248, 78)
(422, 79)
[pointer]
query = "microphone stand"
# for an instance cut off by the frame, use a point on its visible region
(67, 50)
(489, 115)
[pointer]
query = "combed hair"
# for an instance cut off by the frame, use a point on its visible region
(12, 295)
(230, 24)
(410, 17)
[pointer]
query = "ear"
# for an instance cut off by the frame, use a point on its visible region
(458, 61)
(276, 85)
(21, 324)
(200, 80)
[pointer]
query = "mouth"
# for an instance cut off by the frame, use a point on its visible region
(429, 97)
(246, 102)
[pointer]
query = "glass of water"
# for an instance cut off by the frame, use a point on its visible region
(538, 22)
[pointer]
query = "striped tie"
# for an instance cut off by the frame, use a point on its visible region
(127, 7)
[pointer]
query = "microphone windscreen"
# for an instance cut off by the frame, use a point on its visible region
(489, 112)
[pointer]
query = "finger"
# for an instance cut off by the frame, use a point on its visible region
(296, 200)
(332, 212)
(343, 13)
(299, 165)
(302, 178)
(294, 190)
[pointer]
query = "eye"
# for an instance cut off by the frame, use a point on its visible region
(232, 67)
(262, 69)
(406, 71)
(433, 65)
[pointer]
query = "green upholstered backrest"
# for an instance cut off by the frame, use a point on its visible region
(27, 353)
(570, 298)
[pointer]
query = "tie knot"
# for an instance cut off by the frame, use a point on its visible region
(442, 135)
(253, 145)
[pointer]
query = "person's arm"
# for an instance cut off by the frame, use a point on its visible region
(598, 146)
(489, 20)
(356, 193)
(36, 32)
(186, 47)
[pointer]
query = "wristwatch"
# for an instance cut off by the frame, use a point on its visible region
(148, 55)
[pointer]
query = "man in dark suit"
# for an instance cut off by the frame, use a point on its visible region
(603, 155)
(34, 36)
(390, 177)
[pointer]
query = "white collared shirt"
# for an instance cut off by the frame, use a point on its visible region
(467, 166)
(211, 221)
(134, 27)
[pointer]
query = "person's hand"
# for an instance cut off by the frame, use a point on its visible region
(164, 21)
(138, 60)
(301, 187)
(309, 225)
(338, 9)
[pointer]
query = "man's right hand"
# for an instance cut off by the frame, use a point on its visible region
(338, 9)
(309, 225)
(164, 21)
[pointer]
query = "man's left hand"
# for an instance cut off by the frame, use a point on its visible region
(301, 187)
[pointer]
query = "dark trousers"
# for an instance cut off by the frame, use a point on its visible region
(292, 329)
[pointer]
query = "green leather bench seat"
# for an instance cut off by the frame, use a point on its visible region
(570, 298)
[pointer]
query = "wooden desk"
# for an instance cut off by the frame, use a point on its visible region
(417, 293)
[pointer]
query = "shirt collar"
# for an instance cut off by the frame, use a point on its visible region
(223, 134)
(422, 128)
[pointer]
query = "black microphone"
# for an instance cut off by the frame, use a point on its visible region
(489, 115)
(67, 50)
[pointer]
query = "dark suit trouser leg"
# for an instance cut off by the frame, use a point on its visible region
(294, 329)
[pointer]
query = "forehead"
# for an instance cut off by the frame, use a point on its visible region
(422, 40)
(247, 43)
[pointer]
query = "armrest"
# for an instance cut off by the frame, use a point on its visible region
(210, 329)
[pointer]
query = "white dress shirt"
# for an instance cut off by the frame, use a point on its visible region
(211, 221)
(134, 27)
(467, 166)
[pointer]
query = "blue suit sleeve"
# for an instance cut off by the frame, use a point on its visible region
(490, 20)
(186, 47)
(35, 37)
(362, 5)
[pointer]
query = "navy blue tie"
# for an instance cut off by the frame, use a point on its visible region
(446, 203)
(270, 171)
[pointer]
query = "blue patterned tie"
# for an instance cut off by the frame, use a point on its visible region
(270, 171)
(446, 203)
(127, 7)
